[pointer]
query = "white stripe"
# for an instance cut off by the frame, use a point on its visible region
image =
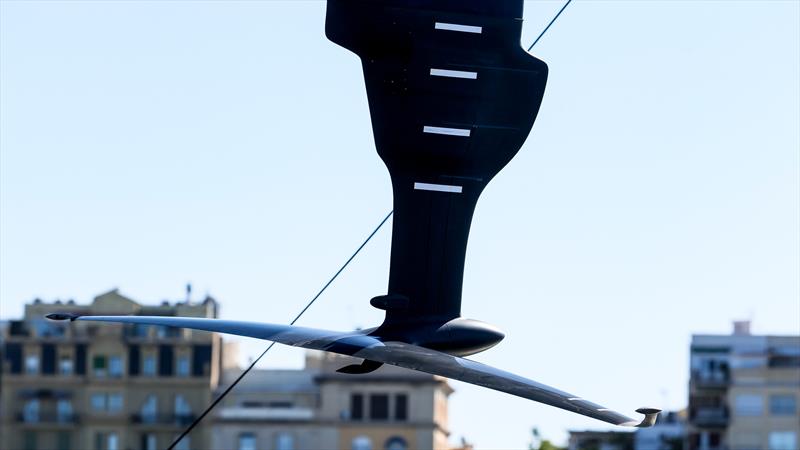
(437, 187)
(454, 74)
(576, 399)
(603, 409)
(447, 131)
(457, 27)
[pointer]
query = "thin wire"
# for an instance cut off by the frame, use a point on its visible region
(253, 364)
(551, 23)
(239, 378)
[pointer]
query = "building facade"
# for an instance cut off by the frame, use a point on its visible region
(668, 433)
(317, 408)
(600, 440)
(84, 385)
(744, 392)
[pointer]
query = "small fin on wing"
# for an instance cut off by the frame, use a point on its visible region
(650, 417)
(366, 366)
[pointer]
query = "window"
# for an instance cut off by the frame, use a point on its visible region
(106, 441)
(284, 441)
(379, 407)
(356, 407)
(749, 405)
(783, 440)
(65, 365)
(396, 443)
(32, 364)
(140, 330)
(149, 409)
(64, 410)
(98, 401)
(44, 328)
(401, 407)
(113, 441)
(782, 405)
(149, 365)
(183, 444)
(99, 366)
(106, 402)
(183, 366)
(361, 443)
(115, 366)
(149, 442)
(247, 441)
(115, 402)
(182, 408)
(30, 412)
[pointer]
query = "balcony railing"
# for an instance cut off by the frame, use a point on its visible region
(718, 378)
(266, 413)
(163, 419)
(48, 418)
(710, 416)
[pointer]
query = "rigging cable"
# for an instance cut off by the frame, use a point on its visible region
(549, 24)
(252, 364)
(246, 371)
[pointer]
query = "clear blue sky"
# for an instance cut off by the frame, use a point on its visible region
(146, 144)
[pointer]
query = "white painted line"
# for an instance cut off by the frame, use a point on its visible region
(437, 187)
(454, 74)
(457, 27)
(448, 131)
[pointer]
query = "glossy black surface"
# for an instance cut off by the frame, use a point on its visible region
(399, 43)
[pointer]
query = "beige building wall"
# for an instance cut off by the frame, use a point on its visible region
(751, 428)
(85, 403)
(316, 409)
(744, 392)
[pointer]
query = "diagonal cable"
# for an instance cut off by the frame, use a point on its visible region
(549, 24)
(239, 378)
(249, 368)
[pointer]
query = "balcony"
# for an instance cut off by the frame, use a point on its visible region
(18, 328)
(48, 419)
(266, 413)
(718, 379)
(163, 419)
(710, 416)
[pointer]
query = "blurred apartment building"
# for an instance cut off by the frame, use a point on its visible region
(316, 408)
(91, 386)
(600, 440)
(667, 434)
(744, 391)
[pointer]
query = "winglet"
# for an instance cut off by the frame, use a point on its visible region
(650, 416)
(62, 316)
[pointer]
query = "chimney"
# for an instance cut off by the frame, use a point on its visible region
(741, 328)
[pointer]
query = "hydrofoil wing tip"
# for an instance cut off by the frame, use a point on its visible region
(650, 417)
